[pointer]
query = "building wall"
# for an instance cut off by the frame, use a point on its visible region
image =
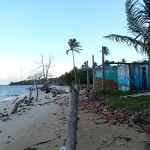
(111, 77)
(135, 76)
(148, 77)
(123, 77)
(140, 80)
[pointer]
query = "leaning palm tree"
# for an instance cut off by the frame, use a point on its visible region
(74, 47)
(138, 23)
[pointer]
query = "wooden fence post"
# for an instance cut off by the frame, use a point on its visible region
(93, 67)
(72, 118)
(87, 67)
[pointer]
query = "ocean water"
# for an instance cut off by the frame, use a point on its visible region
(8, 92)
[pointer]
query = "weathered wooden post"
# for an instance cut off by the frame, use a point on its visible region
(72, 118)
(103, 70)
(37, 92)
(93, 72)
(87, 67)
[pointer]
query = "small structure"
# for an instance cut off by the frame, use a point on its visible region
(124, 77)
(111, 76)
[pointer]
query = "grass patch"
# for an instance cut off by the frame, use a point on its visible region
(114, 100)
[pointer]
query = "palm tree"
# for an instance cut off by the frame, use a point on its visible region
(123, 60)
(74, 47)
(138, 23)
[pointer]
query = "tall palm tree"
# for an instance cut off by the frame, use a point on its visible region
(138, 23)
(74, 47)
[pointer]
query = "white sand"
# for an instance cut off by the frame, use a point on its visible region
(16, 127)
(48, 122)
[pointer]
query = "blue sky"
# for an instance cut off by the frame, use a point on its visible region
(29, 28)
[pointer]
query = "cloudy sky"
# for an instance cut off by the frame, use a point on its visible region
(29, 28)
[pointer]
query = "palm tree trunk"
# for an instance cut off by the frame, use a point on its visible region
(74, 68)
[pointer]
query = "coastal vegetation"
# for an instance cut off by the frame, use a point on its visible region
(81, 76)
(23, 82)
(123, 99)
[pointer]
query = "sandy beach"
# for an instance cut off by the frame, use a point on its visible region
(43, 124)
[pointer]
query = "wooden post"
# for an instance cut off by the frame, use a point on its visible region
(37, 92)
(103, 69)
(87, 67)
(72, 118)
(30, 98)
(93, 73)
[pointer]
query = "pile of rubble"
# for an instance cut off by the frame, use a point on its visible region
(140, 120)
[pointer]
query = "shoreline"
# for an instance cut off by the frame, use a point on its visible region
(43, 125)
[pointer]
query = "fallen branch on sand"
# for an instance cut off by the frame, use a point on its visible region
(137, 126)
(30, 148)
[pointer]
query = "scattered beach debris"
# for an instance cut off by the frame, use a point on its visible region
(135, 95)
(5, 119)
(14, 110)
(140, 120)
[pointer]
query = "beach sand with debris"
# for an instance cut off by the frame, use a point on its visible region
(43, 125)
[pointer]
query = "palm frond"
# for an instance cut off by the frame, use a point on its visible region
(135, 19)
(67, 51)
(146, 9)
(125, 39)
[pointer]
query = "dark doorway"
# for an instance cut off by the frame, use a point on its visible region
(144, 78)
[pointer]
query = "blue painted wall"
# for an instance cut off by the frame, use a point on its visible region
(137, 76)
(111, 73)
(123, 78)
(124, 74)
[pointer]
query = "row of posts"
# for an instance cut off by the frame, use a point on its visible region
(73, 106)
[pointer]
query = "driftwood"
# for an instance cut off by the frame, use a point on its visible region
(15, 100)
(17, 105)
(15, 108)
(30, 98)
(25, 97)
(72, 118)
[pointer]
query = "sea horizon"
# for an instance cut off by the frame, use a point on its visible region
(8, 92)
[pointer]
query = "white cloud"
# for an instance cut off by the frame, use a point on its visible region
(11, 71)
